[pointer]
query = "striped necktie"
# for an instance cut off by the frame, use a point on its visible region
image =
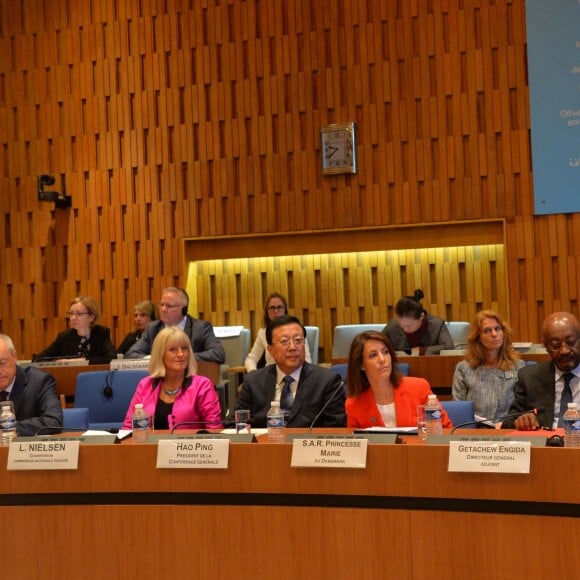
(566, 397)
(286, 398)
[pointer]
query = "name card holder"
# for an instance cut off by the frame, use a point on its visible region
(43, 455)
(193, 453)
(489, 456)
(334, 452)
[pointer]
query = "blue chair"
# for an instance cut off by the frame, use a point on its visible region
(313, 338)
(344, 334)
(75, 418)
(107, 395)
(342, 369)
(460, 412)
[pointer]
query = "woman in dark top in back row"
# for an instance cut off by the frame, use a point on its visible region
(143, 313)
(415, 331)
(85, 338)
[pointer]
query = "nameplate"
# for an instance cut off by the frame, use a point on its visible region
(193, 453)
(129, 364)
(43, 455)
(61, 363)
(231, 437)
(490, 457)
(105, 439)
(534, 440)
(329, 452)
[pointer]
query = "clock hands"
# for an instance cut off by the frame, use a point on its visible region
(330, 151)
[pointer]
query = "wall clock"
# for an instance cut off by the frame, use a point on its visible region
(338, 148)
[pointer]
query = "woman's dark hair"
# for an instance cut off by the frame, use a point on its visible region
(266, 318)
(411, 305)
(357, 381)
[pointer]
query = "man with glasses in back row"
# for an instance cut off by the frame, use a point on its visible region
(303, 389)
(548, 387)
(173, 312)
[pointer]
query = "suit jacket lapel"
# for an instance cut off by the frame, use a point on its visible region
(270, 383)
(17, 389)
(547, 375)
(302, 393)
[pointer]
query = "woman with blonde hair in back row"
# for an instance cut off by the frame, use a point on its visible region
(489, 372)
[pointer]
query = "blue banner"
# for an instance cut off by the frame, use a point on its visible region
(553, 33)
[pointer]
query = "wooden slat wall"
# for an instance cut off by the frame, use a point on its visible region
(350, 288)
(186, 118)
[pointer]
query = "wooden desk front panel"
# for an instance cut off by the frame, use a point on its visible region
(105, 531)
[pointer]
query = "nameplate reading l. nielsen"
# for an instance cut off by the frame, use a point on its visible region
(333, 452)
(41, 455)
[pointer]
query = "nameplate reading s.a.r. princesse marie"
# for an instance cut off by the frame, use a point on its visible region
(490, 456)
(331, 452)
(40, 455)
(193, 453)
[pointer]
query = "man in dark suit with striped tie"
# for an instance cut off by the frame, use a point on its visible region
(303, 389)
(548, 387)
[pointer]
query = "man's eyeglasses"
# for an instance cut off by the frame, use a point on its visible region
(76, 314)
(276, 308)
(298, 341)
(170, 306)
(556, 345)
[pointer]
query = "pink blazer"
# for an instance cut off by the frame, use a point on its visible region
(196, 402)
(362, 411)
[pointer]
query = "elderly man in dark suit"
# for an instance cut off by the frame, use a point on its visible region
(303, 389)
(548, 387)
(32, 392)
(173, 312)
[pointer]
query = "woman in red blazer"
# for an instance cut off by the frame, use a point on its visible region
(378, 395)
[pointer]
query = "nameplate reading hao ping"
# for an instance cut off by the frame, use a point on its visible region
(193, 453)
(41, 455)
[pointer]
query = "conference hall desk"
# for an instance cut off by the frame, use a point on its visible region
(438, 370)
(403, 517)
(66, 375)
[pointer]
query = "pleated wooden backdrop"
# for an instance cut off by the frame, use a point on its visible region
(172, 119)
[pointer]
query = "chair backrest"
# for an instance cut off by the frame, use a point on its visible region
(342, 369)
(75, 418)
(236, 345)
(460, 412)
(107, 395)
(343, 335)
(458, 332)
(313, 338)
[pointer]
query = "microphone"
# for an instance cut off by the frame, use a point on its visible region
(202, 423)
(48, 429)
(485, 421)
(325, 406)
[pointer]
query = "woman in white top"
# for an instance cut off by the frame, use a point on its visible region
(275, 306)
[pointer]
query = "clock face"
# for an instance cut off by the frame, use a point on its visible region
(338, 149)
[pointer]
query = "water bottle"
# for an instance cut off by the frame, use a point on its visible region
(140, 424)
(275, 422)
(7, 424)
(571, 421)
(433, 423)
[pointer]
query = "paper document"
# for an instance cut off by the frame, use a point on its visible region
(402, 430)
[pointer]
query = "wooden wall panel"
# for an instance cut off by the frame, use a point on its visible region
(350, 288)
(174, 120)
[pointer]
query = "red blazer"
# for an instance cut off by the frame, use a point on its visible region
(362, 411)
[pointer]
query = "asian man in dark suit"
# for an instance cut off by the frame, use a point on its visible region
(173, 312)
(32, 392)
(303, 389)
(549, 386)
